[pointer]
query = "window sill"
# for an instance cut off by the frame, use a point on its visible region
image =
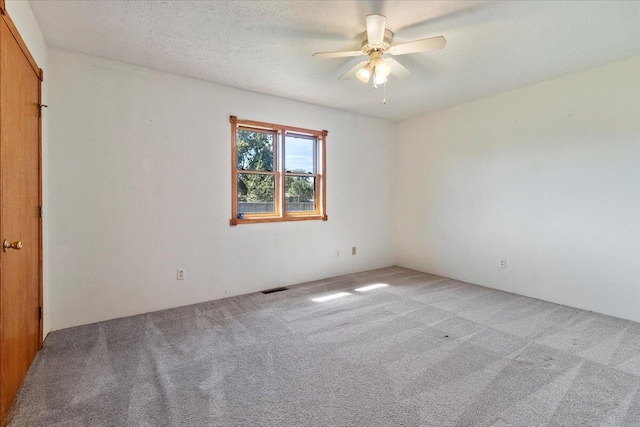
(256, 220)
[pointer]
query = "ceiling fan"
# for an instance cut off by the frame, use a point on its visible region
(376, 42)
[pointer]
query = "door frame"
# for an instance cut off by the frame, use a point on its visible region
(40, 75)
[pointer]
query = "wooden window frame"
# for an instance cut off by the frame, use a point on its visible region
(320, 173)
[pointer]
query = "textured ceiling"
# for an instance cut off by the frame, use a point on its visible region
(266, 46)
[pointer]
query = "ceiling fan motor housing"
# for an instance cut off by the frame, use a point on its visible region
(368, 48)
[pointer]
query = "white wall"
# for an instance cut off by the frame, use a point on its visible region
(22, 16)
(546, 176)
(140, 184)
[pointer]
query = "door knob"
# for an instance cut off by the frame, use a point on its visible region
(15, 245)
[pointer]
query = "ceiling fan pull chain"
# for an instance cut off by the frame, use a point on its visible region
(384, 93)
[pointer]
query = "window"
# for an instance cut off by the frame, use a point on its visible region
(278, 173)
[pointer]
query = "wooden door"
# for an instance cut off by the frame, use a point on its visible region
(20, 265)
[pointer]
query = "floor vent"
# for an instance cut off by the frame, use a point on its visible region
(270, 291)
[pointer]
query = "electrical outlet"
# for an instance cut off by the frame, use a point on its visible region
(353, 250)
(180, 275)
(502, 263)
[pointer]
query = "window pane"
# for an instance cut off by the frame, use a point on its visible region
(300, 193)
(254, 150)
(298, 154)
(256, 193)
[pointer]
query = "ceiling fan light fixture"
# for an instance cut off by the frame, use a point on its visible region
(380, 70)
(379, 78)
(381, 67)
(364, 74)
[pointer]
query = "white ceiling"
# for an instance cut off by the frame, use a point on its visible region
(266, 46)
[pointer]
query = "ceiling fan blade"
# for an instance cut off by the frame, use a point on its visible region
(340, 54)
(375, 28)
(352, 72)
(423, 45)
(397, 69)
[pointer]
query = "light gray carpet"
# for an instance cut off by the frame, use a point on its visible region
(424, 351)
